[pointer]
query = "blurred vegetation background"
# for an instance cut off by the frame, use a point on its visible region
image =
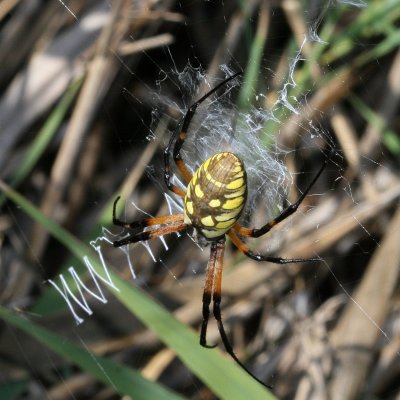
(77, 85)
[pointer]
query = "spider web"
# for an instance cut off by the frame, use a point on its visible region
(287, 128)
(220, 125)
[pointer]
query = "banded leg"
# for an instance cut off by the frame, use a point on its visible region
(216, 255)
(214, 278)
(167, 219)
(177, 226)
(179, 137)
(288, 211)
(258, 257)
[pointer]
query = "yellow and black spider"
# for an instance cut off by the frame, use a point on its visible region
(214, 199)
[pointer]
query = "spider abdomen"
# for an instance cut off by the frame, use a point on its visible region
(216, 195)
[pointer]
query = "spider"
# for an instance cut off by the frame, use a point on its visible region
(214, 199)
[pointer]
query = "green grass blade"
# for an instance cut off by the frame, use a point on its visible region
(122, 379)
(389, 138)
(372, 20)
(44, 136)
(13, 389)
(250, 78)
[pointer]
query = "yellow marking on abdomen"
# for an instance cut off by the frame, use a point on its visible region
(233, 203)
(189, 207)
(198, 191)
(237, 168)
(214, 203)
(211, 234)
(236, 193)
(239, 175)
(206, 164)
(236, 184)
(208, 221)
(228, 215)
(224, 224)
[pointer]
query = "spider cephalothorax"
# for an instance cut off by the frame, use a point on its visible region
(213, 201)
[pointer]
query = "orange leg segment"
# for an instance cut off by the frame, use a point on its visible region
(151, 234)
(258, 257)
(212, 286)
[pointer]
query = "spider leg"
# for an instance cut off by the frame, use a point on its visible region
(216, 253)
(258, 257)
(213, 289)
(167, 219)
(179, 137)
(176, 226)
(292, 208)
